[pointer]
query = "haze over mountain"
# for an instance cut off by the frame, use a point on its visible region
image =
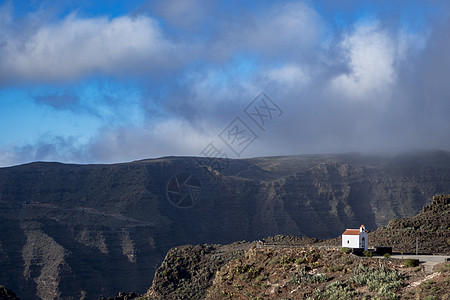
(109, 81)
(95, 230)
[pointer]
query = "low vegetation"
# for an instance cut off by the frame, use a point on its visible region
(368, 253)
(409, 263)
(443, 268)
(383, 281)
(255, 271)
(345, 250)
(334, 291)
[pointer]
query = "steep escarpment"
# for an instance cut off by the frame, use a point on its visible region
(94, 230)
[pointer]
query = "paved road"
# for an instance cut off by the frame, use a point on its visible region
(428, 261)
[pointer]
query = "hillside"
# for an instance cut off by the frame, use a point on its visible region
(253, 271)
(290, 267)
(431, 227)
(86, 231)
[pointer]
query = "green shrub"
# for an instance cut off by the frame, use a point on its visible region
(247, 271)
(261, 277)
(409, 262)
(286, 260)
(387, 255)
(345, 250)
(299, 261)
(336, 268)
(368, 253)
(381, 280)
(303, 276)
(335, 291)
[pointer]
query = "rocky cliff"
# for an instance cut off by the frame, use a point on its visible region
(86, 231)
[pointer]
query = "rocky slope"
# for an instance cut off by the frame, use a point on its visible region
(431, 228)
(290, 267)
(86, 231)
(254, 271)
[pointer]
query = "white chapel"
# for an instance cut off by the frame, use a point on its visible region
(355, 238)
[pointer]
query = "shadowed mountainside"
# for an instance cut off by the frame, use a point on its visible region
(94, 230)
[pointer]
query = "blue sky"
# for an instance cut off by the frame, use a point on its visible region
(114, 81)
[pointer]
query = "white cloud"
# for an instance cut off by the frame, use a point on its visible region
(183, 13)
(281, 31)
(371, 54)
(394, 79)
(290, 75)
(75, 47)
(167, 137)
(48, 148)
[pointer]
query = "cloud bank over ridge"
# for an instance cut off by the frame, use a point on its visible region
(157, 81)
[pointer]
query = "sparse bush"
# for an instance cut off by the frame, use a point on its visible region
(314, 265)
(428, 282)
(260, 277)
(299, 261)
(285, 260)
(303, 276)
(247, 271)
(387, 255)
(409, 262)
(335, 291)
(368, 253)
(345, 250)
(336, 268)
(382, 280)
(319, 278)
(443, 268)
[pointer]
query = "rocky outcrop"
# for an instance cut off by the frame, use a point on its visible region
(88, 231)
(7, 294)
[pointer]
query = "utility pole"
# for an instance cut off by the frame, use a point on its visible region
(417, 245)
